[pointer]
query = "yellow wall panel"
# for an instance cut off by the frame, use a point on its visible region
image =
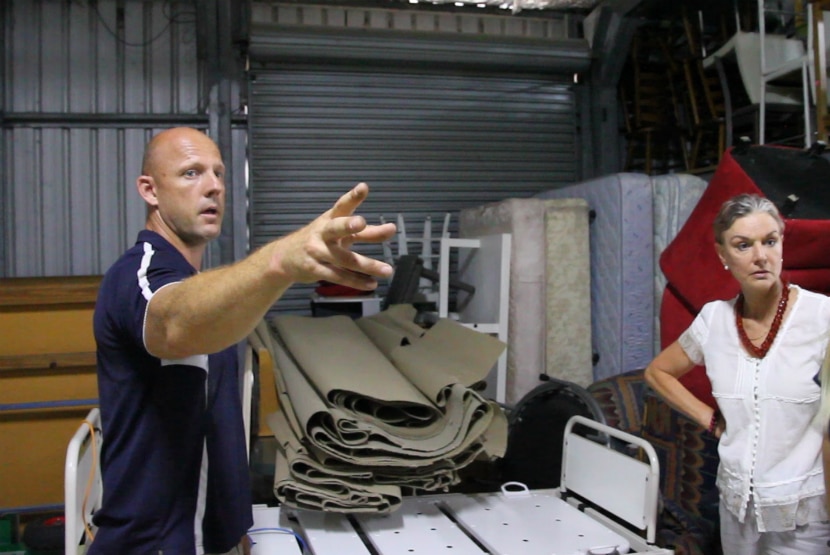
(47, 355)
(46, 331)
(32, 387)
(33, 454)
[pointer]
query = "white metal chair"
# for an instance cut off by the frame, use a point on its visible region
(83, 487)
(427, 253)
(819, 10)
(779, 57)
(247, 395)
(774, 68)
(82, 483)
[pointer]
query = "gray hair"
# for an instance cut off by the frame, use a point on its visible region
(743, 205)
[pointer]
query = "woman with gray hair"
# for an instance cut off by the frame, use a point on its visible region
(763, 351)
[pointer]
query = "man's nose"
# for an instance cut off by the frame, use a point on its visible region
(216, 184)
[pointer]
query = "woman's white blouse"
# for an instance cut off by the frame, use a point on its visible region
(771, 448)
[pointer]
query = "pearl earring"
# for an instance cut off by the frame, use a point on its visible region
(725, 267)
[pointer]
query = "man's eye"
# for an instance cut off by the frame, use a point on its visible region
(190, 173)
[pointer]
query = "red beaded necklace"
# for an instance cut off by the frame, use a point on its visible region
(761, 352)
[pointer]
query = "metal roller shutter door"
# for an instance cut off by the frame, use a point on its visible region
(427, 141)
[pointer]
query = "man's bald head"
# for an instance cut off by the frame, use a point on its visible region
(168, 142)
(183, 184)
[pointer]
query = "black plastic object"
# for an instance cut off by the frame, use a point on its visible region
(409, 269)
(536, 429)
(45, 536)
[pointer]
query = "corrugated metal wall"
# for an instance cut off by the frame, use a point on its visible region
(432, 122)
(426, 143)
(86, 84)
(72, 201)
(101, 56)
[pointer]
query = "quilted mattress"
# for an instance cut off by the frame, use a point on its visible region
(634, 217)
(674, 198)
(622, 269)
(549, 327)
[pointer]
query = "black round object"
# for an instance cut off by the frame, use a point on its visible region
(45, 536)
(536, 429)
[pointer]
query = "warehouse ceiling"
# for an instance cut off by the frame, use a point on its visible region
(519, 5)
(526, 7)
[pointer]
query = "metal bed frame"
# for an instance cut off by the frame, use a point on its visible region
(606, 505)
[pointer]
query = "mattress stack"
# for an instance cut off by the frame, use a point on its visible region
(549, 326)
(622, 269)
(673, 199)
(376, 407)
(634, 217)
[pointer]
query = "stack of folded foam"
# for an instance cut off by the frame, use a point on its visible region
(376, 407)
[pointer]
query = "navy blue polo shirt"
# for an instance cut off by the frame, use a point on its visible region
(174, 462)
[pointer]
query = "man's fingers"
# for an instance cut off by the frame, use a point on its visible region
(375, 233)
(355, 230)
(353, 262)
(341, 221)
(326, 244)
(371, 234)
(348, 203)
(350, 278)
(338, 228)
(334, 273)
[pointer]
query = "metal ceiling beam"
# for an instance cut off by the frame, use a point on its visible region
(4, 185)
(219, 29)
(302, 44)
(612, 34)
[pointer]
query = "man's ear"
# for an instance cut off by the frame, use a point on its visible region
(147, 189)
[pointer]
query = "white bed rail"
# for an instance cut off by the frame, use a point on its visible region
(622, 485)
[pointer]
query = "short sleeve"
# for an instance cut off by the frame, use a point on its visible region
(130, 284)
(692, 340)
(691, 347)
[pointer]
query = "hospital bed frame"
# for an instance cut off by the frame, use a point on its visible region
(606, 505)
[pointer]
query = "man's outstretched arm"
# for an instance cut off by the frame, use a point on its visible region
(217, 308)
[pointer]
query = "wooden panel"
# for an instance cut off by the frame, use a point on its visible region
(33, 293)
(44, 386)
(33, 455)
(53, 361)
(46, 331)
(47, 382)
(268, 402)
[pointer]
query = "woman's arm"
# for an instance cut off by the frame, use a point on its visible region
(663, 374)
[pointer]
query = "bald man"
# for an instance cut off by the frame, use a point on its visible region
(174, 460)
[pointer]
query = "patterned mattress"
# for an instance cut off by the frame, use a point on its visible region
(674, 197)
(635, 217)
